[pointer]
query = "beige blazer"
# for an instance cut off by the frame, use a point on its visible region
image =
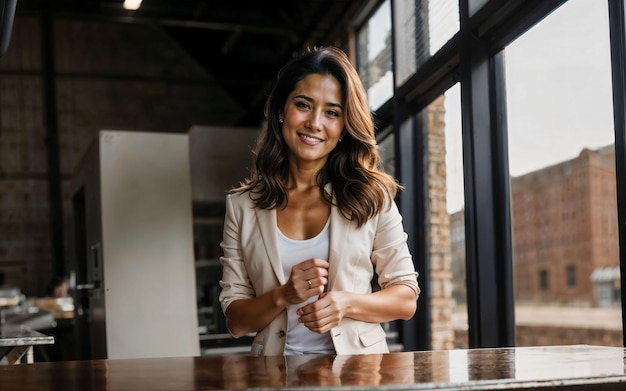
(252, 266)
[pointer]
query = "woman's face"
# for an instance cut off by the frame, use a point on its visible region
(313, 120)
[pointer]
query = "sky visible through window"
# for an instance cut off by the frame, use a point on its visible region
(559, 97)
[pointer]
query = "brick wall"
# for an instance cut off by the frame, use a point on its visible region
(564, 216)
(438, 228)
(108, 76)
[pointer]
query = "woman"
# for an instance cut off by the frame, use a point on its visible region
(305, 233)
(58, 287)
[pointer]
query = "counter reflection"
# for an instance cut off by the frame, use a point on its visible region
(410, 368)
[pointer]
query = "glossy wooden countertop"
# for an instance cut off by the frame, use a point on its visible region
(578, 367)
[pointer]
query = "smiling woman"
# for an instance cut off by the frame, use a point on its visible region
(307, 231)
(313, 121)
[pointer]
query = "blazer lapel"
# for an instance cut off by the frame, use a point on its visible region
(266, 219)
(339, 228)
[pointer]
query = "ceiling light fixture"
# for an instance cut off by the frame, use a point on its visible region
(132, 4)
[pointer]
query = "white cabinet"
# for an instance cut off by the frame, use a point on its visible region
(134, 239)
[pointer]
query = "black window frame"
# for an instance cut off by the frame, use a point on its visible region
(474, 57)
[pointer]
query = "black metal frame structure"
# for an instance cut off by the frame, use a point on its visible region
(617, 23)
(474, 57)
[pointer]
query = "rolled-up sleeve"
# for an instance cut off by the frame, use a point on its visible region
(235, 282)
(390, 253)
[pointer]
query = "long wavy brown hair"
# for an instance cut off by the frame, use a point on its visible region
(354, 168)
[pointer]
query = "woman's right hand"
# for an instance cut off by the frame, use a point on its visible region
(308, 278)
(251, 315)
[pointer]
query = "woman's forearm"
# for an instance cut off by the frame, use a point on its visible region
(392, 303)
(251, 315)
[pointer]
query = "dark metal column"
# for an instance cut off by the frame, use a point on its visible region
(491, 316)
(52, 144)
(617, 20)
(415, 333)
(409, 132)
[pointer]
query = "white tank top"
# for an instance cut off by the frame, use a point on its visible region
(301, 340)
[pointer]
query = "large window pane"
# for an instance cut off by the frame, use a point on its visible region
(562, 166)
(445, 238)
(443, 22)
(421, 28)
(444, 218)
(387, 151)
(475, 5)
(455, 207)
(374, 56)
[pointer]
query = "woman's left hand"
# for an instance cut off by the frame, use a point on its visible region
(324, 313)
(397, 301)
